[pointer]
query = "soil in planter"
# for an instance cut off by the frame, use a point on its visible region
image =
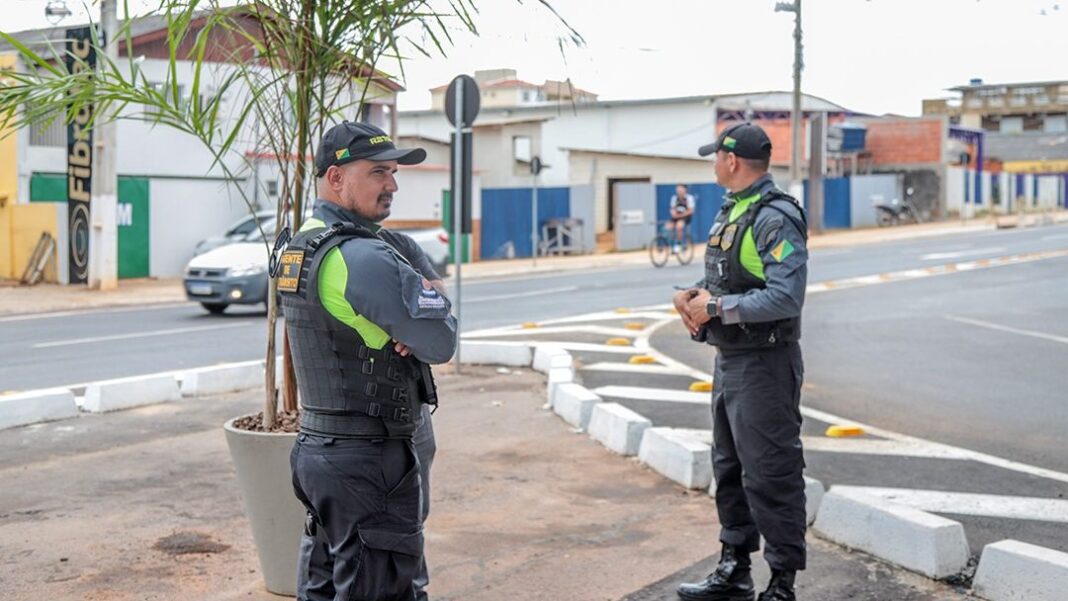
(285, 422)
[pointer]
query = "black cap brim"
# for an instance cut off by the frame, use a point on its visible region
(708, 149)
(404, 156)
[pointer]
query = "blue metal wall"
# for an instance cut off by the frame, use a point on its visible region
(708, 200)
(837, 210)
(506, 217)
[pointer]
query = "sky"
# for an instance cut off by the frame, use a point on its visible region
(871, 56)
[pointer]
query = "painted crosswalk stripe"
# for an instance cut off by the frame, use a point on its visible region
(631, 368)
(638, 393)
(575, 329)
(996, 506)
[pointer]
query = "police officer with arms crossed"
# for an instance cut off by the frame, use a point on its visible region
(363, 326)
(749, 307)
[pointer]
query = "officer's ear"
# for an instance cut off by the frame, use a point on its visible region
(333, 177)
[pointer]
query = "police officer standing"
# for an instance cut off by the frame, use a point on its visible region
(363, 326)
(749, 307)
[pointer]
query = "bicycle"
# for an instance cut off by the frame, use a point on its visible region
(664, 245)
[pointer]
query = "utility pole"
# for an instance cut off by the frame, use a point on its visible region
(104, 239)
(795, 113)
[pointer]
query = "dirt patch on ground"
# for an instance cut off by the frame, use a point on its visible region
(185, 543)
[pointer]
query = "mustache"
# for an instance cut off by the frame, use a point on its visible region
(385, 196)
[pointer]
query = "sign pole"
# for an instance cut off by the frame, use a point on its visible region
(457, 205)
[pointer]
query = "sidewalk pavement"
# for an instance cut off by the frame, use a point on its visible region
(46, 298)
(143, 505)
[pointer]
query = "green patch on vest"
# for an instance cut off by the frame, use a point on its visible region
(750, 258)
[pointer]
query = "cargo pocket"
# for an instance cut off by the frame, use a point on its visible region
(782, 462)
(389, 563)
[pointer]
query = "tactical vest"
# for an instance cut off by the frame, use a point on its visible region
(346, 388)
(725, 274)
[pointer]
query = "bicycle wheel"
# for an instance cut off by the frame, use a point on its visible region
(659, 251)
(685, 254)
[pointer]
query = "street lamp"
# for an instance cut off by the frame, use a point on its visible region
(795, 113)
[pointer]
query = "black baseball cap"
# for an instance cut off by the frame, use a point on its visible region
(745, 140)
(350, 141)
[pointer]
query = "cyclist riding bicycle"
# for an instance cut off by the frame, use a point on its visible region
(681, 205)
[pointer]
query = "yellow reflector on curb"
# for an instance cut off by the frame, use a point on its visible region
(844, 431)
(641, 360)
(701, 386)
(530, 325)
(635, 325)
(617, 342)
(673, 311)
(622, 310)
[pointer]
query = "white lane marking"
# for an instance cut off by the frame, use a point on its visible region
(999, 506)
(611, 332)
(169, 332)
(961, 253)
(521, 294)
(589, 347)
(92, 312)
(873, 446)
(1055, 237)
(1001, 328)
(629, 368)
(642, 342)
(638, 393)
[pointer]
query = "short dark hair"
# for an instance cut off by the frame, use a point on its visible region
(756, 164)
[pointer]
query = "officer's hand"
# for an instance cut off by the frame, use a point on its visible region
(438, 285)
(401, 349)
(697, 310)
(680, 299)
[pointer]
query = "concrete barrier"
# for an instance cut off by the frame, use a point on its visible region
(223, 378)
(1011, 570)
(617, 428)
(813, 497)
(680, 458)
(914, 539)
(548, 357)
(558, 376)
(574, 403)
(36, 406)
(111, 395)
(512, 354)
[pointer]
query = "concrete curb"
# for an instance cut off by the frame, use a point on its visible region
(512, 354)
(913, 539)
(36, 406)
(123, 393)
(814, 492)
(221, 379)
(547, 357)
(617, 428)
(574, 403)
(679, 458)
(1011, 570)
(558, 376)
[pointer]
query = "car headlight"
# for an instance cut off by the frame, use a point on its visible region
(246, 270)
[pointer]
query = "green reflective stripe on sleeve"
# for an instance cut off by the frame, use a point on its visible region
(333, 277)
(751, 260)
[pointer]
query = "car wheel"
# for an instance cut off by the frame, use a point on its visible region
(215, 308)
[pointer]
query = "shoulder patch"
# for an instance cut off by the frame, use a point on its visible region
(783, 250)
(290, 262)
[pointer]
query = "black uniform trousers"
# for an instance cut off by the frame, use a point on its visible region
(756, 455)
(370, 499)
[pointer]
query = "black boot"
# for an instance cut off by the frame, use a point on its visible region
(781, 587)
(730, 582)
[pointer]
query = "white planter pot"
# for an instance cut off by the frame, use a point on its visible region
(277, 517)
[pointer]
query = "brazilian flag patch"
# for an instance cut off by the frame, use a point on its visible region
(783, 250)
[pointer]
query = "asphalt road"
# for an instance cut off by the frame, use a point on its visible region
(66, 349)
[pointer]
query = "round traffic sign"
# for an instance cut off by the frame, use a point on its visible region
(471, 101)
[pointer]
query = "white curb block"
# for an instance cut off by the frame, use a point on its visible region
(617, 428)
(548, 357)
(111, 395)
(37, 406)
(558, 376)
(512, 354)
(1011, 570)
(679, 458)
(224, 378)
(813, 497)
(574, 403)
(913, 539)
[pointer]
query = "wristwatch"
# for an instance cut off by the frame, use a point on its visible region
(713, 307)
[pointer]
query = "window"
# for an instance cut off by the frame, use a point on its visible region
(1012, 125)
(521, 148)
(1055, 124)
(272, 187)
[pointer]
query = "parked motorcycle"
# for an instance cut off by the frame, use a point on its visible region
(897, 212)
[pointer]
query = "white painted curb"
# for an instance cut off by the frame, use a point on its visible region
(512, 354)
(1011, 570)
(913, 539)
(617, 428)
(223, 378)
(111, 395)
(574, 403)
(36, 406)
(813, 497)
(679, 458)
(548, 357)
(558, 376)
